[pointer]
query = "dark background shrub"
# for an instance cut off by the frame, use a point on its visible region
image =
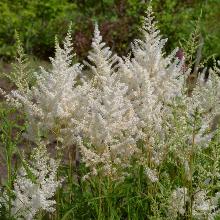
(119, 20)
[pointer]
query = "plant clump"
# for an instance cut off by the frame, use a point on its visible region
(140, 141)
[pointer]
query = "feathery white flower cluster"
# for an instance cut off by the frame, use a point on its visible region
(52, 102)
(178, 202)
(153, 79)
(205, 99)
(35, 186)
(111, 120)
(126, 109)
(203, 206)
(126, 101)
(111, 123)
(154, 82)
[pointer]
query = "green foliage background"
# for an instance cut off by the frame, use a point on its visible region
(39, 21)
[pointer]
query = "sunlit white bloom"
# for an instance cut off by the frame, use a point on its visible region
(111, 123)
(153, 79)
(205, 207)
(54, 99)
(178, 201)
(151, 174)
(35, 186)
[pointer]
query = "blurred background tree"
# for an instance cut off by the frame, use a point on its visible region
(39, 21)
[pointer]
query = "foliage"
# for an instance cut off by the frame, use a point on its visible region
(38, 21)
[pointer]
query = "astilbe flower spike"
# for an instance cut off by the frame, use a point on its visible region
(154, 79)
(35, 185)
(54, 99)
(111, 123)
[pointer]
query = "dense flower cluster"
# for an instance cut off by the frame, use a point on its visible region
(203, 206)
(35, 186)
(117, 111)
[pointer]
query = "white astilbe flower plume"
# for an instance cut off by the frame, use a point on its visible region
(203, 206)
(178, 200)
(154, 79)
(55, 99)
(35, 186)
(101, 56)
(154, 82)
(205, 99)
(111, 122)
(164, 72)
